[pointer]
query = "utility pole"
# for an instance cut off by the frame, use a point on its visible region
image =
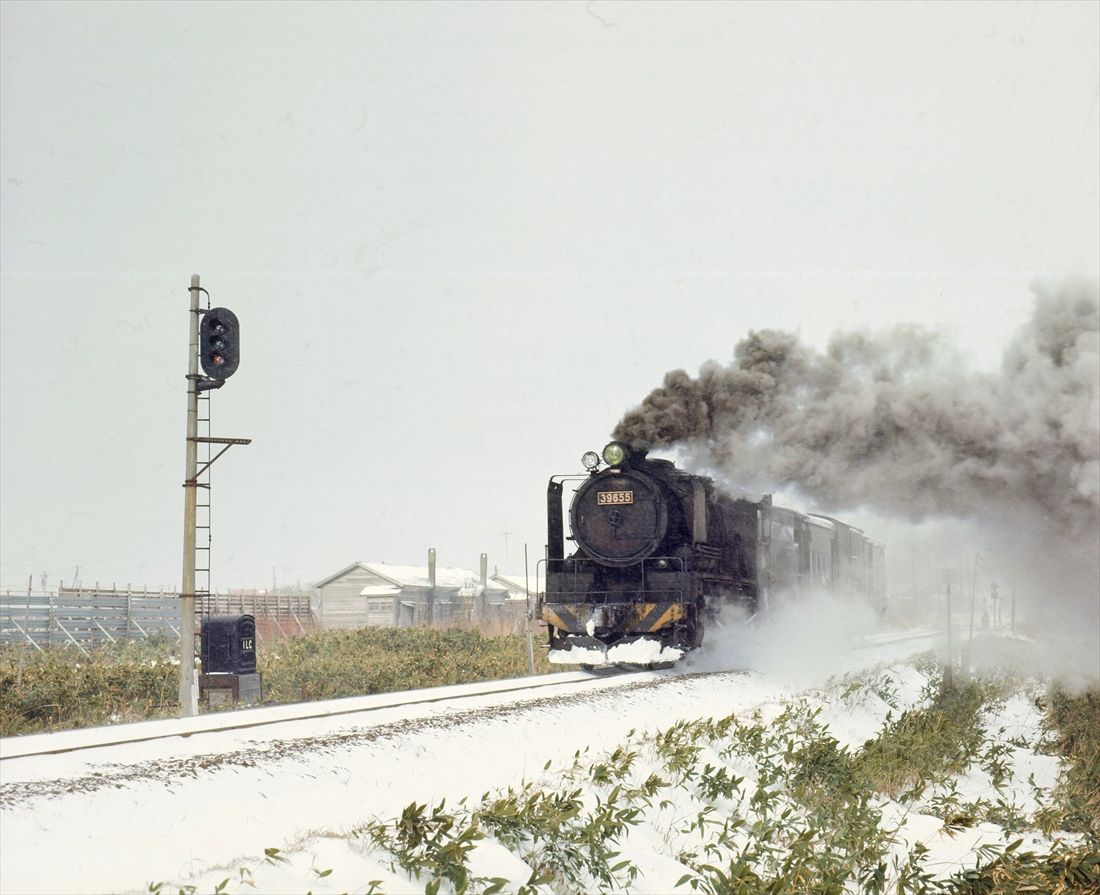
(188, 682)
(527, 617)
(219, 335)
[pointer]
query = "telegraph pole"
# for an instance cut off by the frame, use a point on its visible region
(188, 682)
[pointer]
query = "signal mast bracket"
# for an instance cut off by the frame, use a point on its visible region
(228, 442)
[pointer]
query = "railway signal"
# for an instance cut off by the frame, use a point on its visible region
(215, 344)
(220, 343)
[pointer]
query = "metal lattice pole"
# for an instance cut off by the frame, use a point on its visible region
(187, 689)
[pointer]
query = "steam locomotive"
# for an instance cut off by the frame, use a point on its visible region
(660, 551)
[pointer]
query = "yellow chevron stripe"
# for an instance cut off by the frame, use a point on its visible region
(548, 615)
(674, 612)
(669, 616)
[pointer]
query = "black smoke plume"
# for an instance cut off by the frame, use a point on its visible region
(897, 424)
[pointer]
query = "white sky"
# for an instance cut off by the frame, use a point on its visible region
(462, 239)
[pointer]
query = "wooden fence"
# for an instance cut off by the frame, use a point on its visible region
(281, 606)
(87, 617)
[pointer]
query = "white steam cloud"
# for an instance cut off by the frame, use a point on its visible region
(802, 644)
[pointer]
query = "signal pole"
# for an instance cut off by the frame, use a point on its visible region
(219, 335)
(188, 684)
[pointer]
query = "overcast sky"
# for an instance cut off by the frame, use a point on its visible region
(463, 238)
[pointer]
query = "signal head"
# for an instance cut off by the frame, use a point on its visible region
(219, 343)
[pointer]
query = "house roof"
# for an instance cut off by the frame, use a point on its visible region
(380, 590)
(341, 573)
(464, 582)
(518, 584)
(417, 576)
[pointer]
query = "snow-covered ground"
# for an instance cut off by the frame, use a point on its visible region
(132, 814)
(198, 809)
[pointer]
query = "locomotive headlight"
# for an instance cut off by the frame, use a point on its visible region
(614, 454)
(590, 460)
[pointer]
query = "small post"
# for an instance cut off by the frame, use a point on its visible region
(430, 610)
(530, 638)
(948, 675)
(23, 644)
(973, 596)
(481, 598)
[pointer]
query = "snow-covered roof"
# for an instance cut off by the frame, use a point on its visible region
(464, 581)
(516, 584)
(379, 590)
(330, 578)
(836, 522)
(417, 576)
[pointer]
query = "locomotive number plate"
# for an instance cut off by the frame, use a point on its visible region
(610, 498)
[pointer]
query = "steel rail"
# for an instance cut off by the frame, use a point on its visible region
(10, 747)
(31, 745)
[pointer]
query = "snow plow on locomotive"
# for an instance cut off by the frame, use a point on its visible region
(659, 551)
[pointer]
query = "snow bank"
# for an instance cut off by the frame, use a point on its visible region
(635, 652)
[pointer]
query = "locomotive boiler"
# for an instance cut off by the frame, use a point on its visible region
(659, 551)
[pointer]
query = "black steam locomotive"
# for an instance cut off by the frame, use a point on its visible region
(659, 551)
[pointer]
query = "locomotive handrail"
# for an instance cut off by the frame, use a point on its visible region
(650, 563)
(555, 533)
(664, 595)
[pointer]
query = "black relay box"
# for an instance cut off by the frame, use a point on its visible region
(228, 644)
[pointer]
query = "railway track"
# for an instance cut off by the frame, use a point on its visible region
(12, 748)
(244, 719)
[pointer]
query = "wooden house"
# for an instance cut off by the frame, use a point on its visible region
(380, 595)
